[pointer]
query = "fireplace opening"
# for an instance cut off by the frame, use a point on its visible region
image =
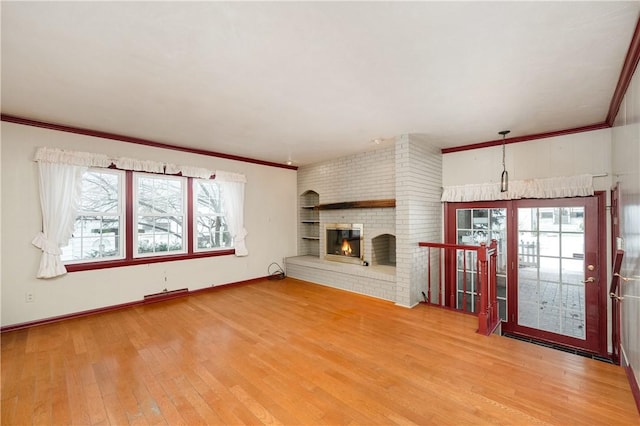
(344, 242)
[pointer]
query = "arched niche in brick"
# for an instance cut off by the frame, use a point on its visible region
(383, 249)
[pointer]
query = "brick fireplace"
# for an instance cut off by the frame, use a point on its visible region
(366, 189)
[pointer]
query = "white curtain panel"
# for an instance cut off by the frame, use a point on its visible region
(232, 185)
(60, 188)
(555, 187)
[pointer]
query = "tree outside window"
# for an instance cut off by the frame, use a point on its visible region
(160, 211)
(210, 225)
(98, 227)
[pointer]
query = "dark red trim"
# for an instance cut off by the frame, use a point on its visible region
(110, 308)
(449, 246)
(526, 138)
(602, 269)
(633, 384)
(145, 260)
(129, 139)
(626, 74)
(80, 314)
(191, 236)
(130, 223)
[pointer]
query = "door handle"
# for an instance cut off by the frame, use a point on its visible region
(588, 280)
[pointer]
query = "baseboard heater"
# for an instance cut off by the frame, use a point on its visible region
(165, 295)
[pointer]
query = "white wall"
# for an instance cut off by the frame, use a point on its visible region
(626, 169)
(270, 219)
(579, 153)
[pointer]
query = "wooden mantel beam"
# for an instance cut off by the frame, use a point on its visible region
(365, 204)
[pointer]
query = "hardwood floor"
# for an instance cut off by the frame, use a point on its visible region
(294, 353)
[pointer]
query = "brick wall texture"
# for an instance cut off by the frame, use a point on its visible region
(411, 172)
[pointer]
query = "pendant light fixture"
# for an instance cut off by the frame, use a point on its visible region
(504, 179)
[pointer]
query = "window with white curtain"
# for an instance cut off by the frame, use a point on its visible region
(160, 212)
(101, 212)
(98, 232)
(211, 231)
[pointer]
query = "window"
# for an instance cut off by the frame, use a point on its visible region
(132, 218)
(98, 230)
(160, 213)
(211, 231)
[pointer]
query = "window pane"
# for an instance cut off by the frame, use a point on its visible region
(527, 219)
(211, 229)
(464, 219)
(96, 234)
(208, 197)
(550, 218)
(160, 221)
(145, 195)
(174, 197)
(160, 234)
(99, 192)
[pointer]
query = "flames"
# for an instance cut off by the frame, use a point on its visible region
(346, 248)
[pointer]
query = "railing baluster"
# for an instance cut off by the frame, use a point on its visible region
(441, 272)
(464, 281)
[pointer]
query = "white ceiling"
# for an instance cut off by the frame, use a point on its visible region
(312, 81)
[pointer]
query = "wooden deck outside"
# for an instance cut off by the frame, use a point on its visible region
(290, 352)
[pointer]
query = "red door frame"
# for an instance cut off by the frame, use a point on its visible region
(599, 222)
(615, 220)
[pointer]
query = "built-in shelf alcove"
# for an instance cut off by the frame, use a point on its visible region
(309, 229)
(383, 250)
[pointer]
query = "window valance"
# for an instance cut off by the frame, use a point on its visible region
(87, 159)
(555, 187)
(73, 158)
(61, 173)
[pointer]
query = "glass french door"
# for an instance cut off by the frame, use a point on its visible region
(557, 285)
(549, 266)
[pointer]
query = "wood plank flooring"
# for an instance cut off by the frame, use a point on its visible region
(293, 353)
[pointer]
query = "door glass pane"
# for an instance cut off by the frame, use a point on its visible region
(572, 245)
(549, 243)
(464, 219)
(551, 270)
(465, 237)
(549, 218)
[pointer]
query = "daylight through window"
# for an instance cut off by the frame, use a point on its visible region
(97, 233)
(163, 219)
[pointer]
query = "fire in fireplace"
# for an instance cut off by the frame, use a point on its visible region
(344, 242)
(346, 248)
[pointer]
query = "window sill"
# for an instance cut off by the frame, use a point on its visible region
(89, 266)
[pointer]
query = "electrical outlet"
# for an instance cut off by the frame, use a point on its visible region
(29, 297)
